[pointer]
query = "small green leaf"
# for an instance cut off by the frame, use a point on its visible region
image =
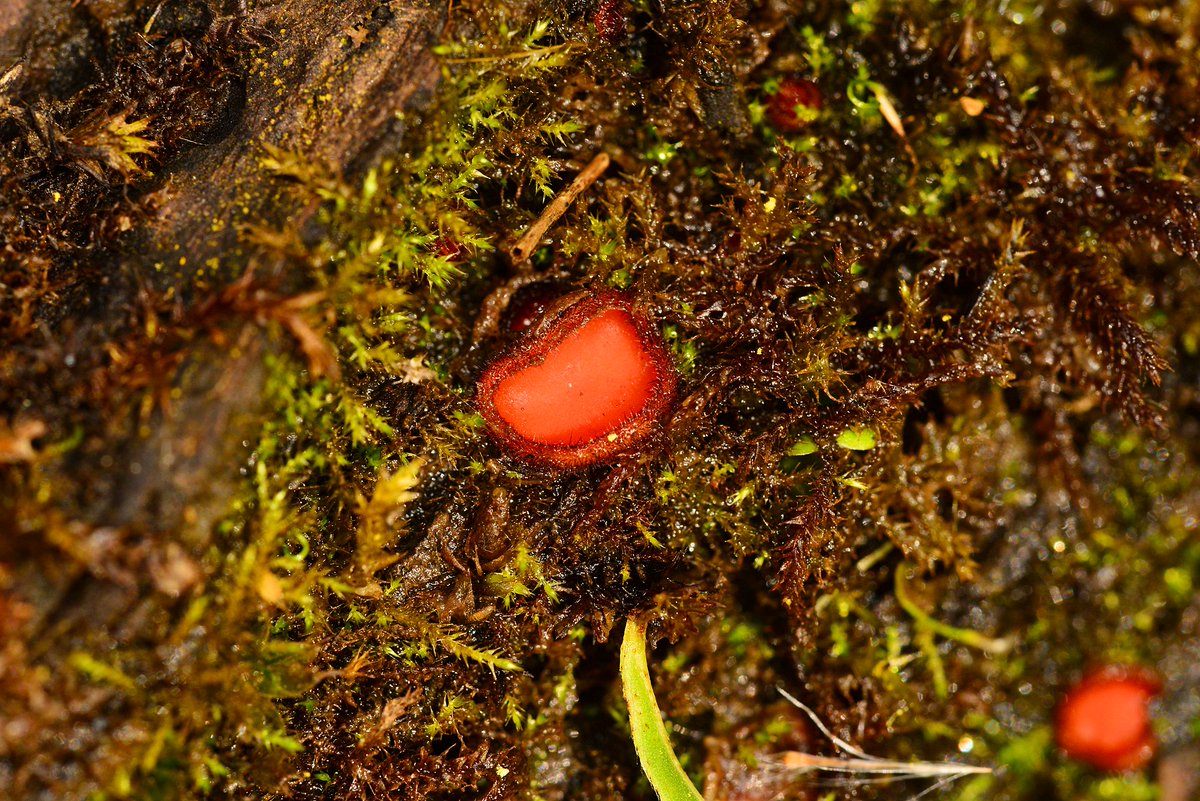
(804, 447)
(272, 738)
(101, 672)
(857, 439)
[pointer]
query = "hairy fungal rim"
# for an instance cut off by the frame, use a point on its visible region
(532, 350)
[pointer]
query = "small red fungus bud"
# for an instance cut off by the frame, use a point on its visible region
(529, 303)
(584, 386)
(794, 94)
(448, 248)
(1103, 719)
(609, 20)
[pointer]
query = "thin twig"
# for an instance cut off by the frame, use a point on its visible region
(540, 51)
(871, 769)
(528, 242)
(841, 744)
(11, 75)
(881, 767)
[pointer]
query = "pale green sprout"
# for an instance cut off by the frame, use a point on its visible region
(650, 740)
(669, 780)
(857, 439)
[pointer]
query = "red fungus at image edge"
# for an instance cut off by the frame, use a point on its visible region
(609, 20)
(585, 386)
(782, 106)
(528, 305)
(1103, 719)
(448, 248)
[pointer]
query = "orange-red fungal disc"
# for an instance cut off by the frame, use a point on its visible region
(793, 92)
(585, 386)
(1104, 721)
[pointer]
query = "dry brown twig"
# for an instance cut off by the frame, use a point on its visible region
(858, 763)
(587, 176)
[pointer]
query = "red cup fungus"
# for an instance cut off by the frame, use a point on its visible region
(582, 386)
(449, 248)
(529, 303)
(794, 94)
(609, 20)
(1103, 719)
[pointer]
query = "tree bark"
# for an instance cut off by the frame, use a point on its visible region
(136, 500)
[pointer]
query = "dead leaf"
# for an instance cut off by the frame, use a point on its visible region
(972, 106)
(16, 444)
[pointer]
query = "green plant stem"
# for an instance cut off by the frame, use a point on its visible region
(969, 637)
(650, 740)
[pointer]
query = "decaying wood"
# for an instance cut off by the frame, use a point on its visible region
(324, 79)
(330, 87)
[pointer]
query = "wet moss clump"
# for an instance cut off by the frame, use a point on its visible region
(932, 455)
